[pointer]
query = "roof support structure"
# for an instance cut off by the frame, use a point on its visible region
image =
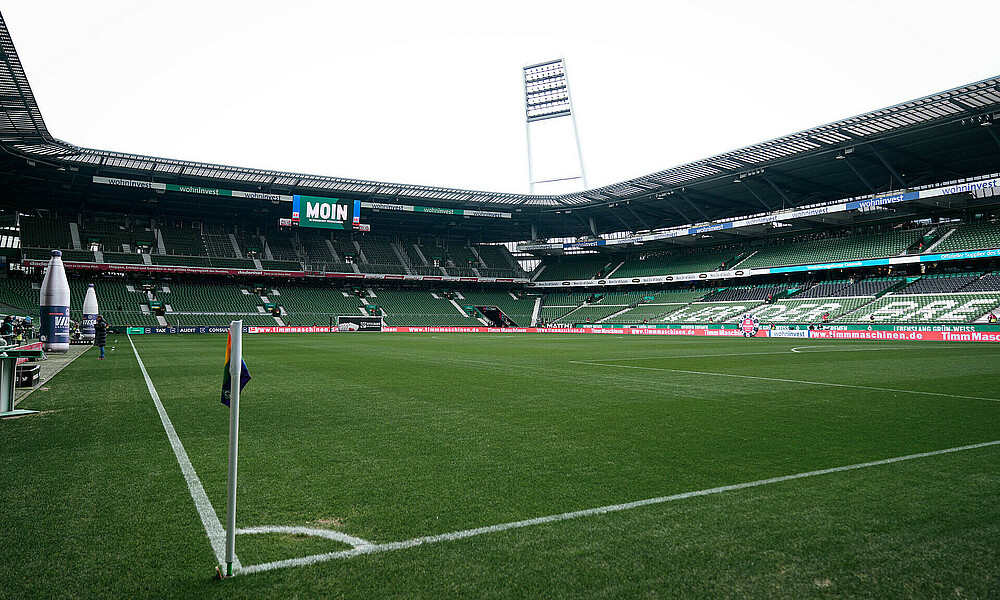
(756, 195)
(855, 170)
(892, 171)
(688, 200)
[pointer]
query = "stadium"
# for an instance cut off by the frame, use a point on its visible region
(766, 373)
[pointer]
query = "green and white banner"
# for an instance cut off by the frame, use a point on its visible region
(189, 189)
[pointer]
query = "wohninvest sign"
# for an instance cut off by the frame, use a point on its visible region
(328, 213)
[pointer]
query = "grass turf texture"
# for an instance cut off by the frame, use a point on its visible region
(389, 437)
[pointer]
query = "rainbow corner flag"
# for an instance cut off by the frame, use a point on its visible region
(227, 384)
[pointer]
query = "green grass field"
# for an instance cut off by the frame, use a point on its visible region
(396, 437)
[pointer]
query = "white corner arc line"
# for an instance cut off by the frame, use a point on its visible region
(467, 533)
(213, 527)
(800, 381)
(329, 534)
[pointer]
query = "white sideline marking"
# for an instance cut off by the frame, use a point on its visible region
(796, 350)
(842, 385)
(329, 534)
(213, 527)
(467, 533)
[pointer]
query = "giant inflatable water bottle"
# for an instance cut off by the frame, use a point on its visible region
(54, 306)
(90, 312)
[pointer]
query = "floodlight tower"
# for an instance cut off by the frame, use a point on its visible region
(546, 96)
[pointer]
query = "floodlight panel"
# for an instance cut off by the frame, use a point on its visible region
(546, 91)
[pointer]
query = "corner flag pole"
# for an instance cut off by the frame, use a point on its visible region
(235, 371)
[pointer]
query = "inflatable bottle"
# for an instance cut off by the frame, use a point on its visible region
(90, 312)
(54, 306)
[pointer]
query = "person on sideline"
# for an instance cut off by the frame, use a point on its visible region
(100, 334)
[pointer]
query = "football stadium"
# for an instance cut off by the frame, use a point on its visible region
(771, 372)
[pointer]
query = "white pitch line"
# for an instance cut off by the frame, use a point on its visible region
(329, 534)
(795, 350)
(800, 381)
(213, 527)
(467, 533)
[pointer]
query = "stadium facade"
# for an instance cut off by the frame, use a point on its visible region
(886, 217)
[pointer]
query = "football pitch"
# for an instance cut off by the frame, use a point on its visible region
(506, 466)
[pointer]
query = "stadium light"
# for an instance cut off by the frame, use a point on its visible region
(547, 96)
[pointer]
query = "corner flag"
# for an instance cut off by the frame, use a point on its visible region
(227, 382)
(231, 398)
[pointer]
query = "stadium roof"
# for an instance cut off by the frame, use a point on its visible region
(941, 137)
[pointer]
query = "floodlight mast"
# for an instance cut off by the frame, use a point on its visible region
(547, 96)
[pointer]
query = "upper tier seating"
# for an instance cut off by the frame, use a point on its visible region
(857, 247)
(583, 266)
(971, 236)
(179, 261)
(280, 245)
(123, 258)
(280, 265)
(183, 240)
(218, 243)
(39, 232)
(669, 264)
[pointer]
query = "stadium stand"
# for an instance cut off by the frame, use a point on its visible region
(809, 310)
(48, 233)
(300, 301)
(849, 247)
(202, 298)
(971, 236)
(927, 308)
(183, 240)
(586, 266)
(945, 282)
(280, 265)
(705, 312)
(746, 292)
(409, 307)
(17, 296)
(671, 264)
(218, 243)
(281, 247)
(519, 309)
(177, 260)
(987, 283)
(825, 289)
(123, 258)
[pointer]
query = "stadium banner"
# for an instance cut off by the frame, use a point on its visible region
(189, 189)
(348, 323)
(977, 188)
(117, 268)
(906, 333)
(440, 211)
(326, 213)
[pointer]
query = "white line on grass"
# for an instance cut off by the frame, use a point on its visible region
(213, 527)
(795, 350)
(800, 381)
(329, 534)
(467, 533)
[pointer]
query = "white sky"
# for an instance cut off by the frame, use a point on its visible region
(431, 92)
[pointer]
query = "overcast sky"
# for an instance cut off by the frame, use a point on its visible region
(431, 92)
